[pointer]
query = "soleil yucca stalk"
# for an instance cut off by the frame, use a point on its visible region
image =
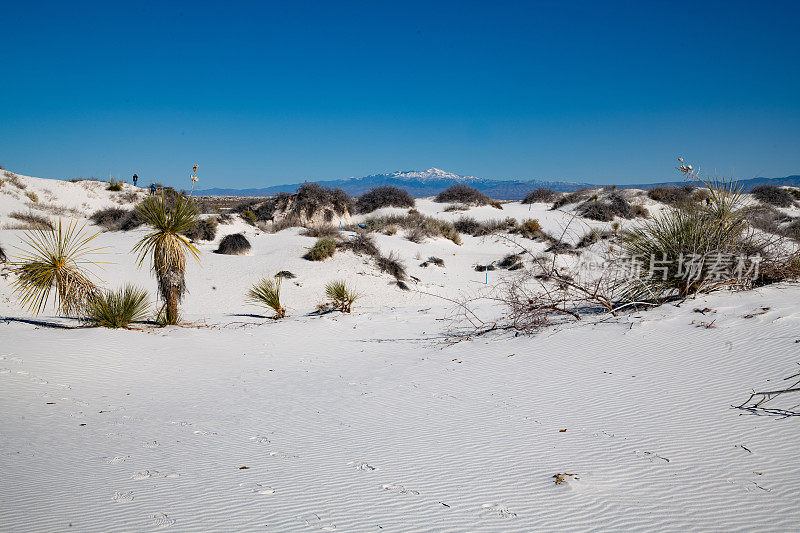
(167, 247)
(53, 263)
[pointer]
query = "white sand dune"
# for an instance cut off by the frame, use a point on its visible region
(372, 421)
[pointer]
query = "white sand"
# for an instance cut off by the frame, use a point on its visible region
(370, 421)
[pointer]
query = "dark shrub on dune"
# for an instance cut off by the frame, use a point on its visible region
(204, 230)
(571, 198)
(361, 244)
(324, 248)
(116, 219)
(3, 257)
(321, 231)
(34, 220)
(392, 265)
(769, 194)
(671, 195)
(605, 210)
(234, 244)
(385, 196)
(462, 194)
(541, 194)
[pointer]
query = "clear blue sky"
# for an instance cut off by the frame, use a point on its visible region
(262, 93)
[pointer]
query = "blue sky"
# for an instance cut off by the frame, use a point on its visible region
(263, 93)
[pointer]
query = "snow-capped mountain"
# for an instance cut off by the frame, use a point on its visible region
(419, 183)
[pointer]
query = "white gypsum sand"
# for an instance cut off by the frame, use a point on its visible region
(371, 420)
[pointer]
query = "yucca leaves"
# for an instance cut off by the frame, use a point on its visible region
(53, 264)
(267, 292)
(167, 247)
(118, 309)
(341, 295)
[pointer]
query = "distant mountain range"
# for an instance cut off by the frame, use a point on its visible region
(432, 181)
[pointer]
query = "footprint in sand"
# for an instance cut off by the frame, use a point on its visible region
(123, 497)
(313, 520)
(365, 467)
(5, 370)
(116, 459)
(151, 444)
(204, 432)
(282, 455)
(144, 474)
(260, 440)
(399, 489)
(260, 489)
(22, 372)
(495, 509)
(161, 520)
(652, 457)
(39, 381)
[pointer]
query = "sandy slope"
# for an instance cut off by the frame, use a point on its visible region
(372, 421)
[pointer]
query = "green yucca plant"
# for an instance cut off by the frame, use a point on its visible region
(53, 263)
(340, 295)
(117, 309)
(167, 247)
(267, 292)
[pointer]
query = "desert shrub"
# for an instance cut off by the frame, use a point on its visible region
(128, 197)
(385, 196)
(639, 211)
(417, 226)
(769, 194)
(267, 293)
(204, 230)
(116, 219)
(511, 262)
(56, 209)
(361, 244)
(391, 229)
(438, 261)
(765, 218)
(117, 309)
(285, 274)
(795, 193)
(456, 207)
(793, 230)
(32, 196)
(309, 199)
(541, 194)
(340, 295)
(473, 227)
(114, 185)
(326, 230)
(233, 244)
(249, 217)
(606, 209)
(32, 220)
(391, 265)
(593, 236)
(484, 268)
(3, 257)
(462, 194)
(55, 259)
(571, 198)
(670, 195)
(324, 248)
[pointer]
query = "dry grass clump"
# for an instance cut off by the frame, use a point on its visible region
(418, 227)
(3, 257)
(392, 265)
(793, 230)
(671, 195)
(14, 180)
(511, 262)
(204, 230)
(540, 195)
(326, 230)
(769, 194)
(117, 309)
(267, 293)
(32, 196)
(55, 264)
(795, 193)
(128, 197)
(470, 226)
(462, 194)
(385, 196)
(116, 219)
(32, 220)
(593, 236)
(361, 244)
(114, 185)
(456, 207)
(324, 248)
(55, 209)
(604, 210)
(234, 244)
(341, 296)
(766, 218)
(438, 261)
(310, 199)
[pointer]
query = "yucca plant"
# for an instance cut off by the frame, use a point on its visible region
(117, 309)
(267, 292)
(340, 295)
(53, 262)
(167, 247)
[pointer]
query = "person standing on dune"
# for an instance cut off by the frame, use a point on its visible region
(135, 179)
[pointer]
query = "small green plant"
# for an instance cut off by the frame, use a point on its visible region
(324, 248)
(55, 259)
(249, 216)
(118, 309)
(340, 295)
(114, 185)
(531, 226)
(32, 196)
(267, 293)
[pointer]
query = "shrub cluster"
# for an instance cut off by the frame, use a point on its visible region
(204, 230)
(540, 195)
(470, 226)
(309, 199)
(385, 196)
(234, 244)
(605, 209)
(116, 219)
(114, 185)
(671, 195)
(324, 248)
(462, 194)
(32, 219)
(769, 194)
(391, 265)
(418, 227)
(571, 198)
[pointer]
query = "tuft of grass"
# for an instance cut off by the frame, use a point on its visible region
(361, 244)
(671, 195)
(54, 264)
(542, 194)
(32, 196)
(3, 257)
(267, 293)
(116, 219)
(14, 180)
(234, 244)
(340, 295)
(204, 230)
(118, 309)
(33, 220)
(114, 185)
(326, 230)
(324, 248)
(392, 265)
